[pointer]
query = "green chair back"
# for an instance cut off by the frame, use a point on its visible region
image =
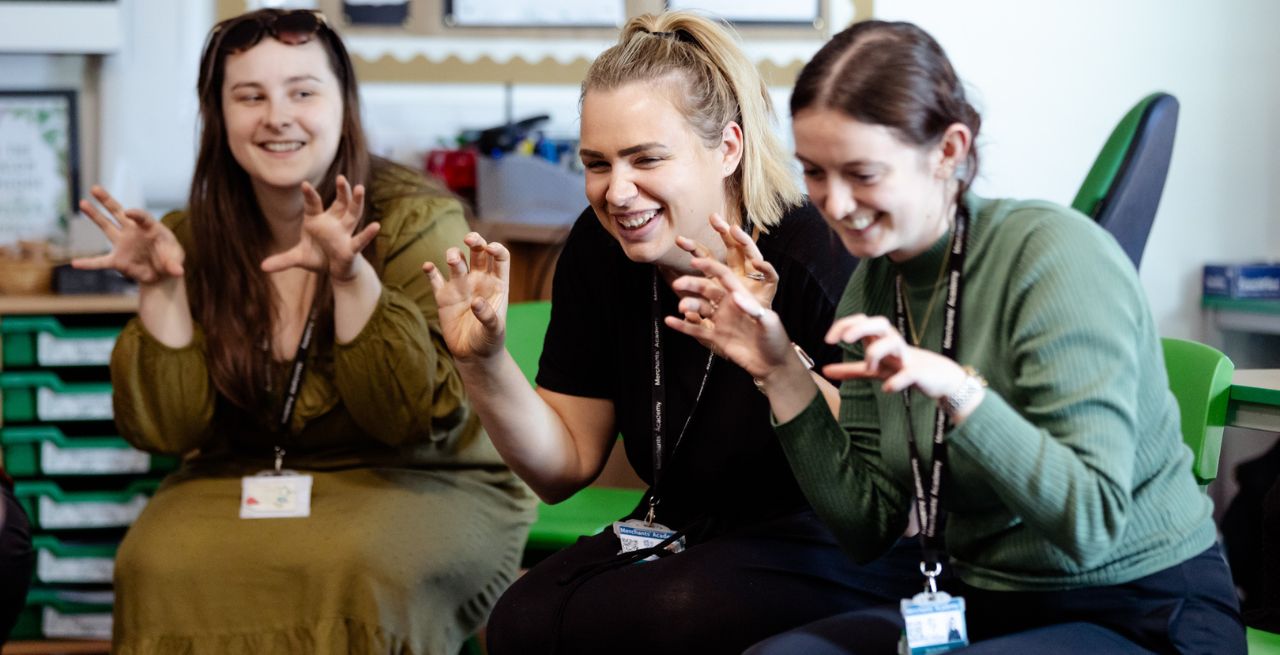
(590, 510)
(1106, 166)
(1262, 642)
(1200, 379)
(526, 328)
(1123, 188)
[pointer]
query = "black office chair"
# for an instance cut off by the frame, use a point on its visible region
(1122, 190)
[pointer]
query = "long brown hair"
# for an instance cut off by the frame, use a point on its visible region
(231, 298)
(714, 83)
(892, 74)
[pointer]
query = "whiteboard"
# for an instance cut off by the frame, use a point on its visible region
(535, 13)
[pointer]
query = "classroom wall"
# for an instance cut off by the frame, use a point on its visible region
(1052, 79)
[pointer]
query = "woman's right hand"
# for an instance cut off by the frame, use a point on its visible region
(473, 301)
(142, 248)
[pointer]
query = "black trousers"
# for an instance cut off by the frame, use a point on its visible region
(17, 561)
(718, 596)
(1187, 608)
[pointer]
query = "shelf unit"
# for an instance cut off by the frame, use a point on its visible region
(12, 307)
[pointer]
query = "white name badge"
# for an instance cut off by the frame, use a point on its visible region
(934, 624)
(271, 496)
(635, 534)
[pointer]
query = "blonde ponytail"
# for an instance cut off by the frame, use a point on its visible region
(713, 83)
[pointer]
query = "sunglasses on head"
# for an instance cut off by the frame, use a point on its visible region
(292, 27)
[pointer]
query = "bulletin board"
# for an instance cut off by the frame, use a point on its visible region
(423, 44)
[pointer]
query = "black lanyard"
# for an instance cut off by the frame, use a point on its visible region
(659, 392)
(295, 378)
(927, 506)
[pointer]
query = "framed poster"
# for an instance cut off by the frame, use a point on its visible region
(535, 13)
(39, 164)
(758, 12)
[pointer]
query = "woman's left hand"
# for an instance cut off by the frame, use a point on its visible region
(742, 257)
(327, 242)
(888, 357)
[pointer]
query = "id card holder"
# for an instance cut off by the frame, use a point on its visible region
(934, 624)
(635, 534)
(275, 495)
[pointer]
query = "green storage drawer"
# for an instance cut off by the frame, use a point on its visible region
(63, 614)
(62, 562)
(43, 341)
(51, 508)
(42, 450)
(42, 396)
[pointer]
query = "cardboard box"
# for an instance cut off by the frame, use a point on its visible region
(1256, 281)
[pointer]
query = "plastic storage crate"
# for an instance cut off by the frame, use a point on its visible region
(42, 396)
(72, 562)
(43, 341)
(63, 614)
(41, 450)
(51, 508)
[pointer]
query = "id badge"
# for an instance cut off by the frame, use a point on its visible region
(272, 495)
(635, 534)
(934, 624)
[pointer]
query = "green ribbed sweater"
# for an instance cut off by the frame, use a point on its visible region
(1072, 471)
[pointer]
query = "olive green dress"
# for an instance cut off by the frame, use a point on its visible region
(416, 527)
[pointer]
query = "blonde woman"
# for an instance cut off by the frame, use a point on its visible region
(680, 157)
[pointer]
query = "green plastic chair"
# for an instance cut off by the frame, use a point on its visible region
(590, 510)
(1200, 379)
(1262, 642)
(1123, 188)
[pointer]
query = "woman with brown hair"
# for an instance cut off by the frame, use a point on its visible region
(283, 327)
(680, 157)
(1002, 369)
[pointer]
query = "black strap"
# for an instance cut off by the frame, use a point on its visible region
(928, 506)
(659, 393)
(297, 369)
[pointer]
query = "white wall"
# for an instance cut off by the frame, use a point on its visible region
(1053, 78)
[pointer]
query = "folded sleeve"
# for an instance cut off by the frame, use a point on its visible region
(162, 397)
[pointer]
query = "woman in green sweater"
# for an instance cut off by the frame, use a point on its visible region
(1001, 366)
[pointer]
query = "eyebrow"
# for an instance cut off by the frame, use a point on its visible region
(856, 162)
(292, 80)
(625, 152)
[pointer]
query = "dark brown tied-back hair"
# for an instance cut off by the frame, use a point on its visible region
(232, 299)
(892, 74)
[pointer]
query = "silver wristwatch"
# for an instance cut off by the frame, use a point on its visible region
(972, 386)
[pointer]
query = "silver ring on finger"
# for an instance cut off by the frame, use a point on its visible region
(756, 275)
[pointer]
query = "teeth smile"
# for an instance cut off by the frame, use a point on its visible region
(862, 221)
(638, 220)
(285, 146)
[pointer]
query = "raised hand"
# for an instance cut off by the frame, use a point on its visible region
(739, 328)
(142, 248)
(473, 301)
(742, 256)
(327, 243)
(888, 357)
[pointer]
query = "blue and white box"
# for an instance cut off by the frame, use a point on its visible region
(1254, 281)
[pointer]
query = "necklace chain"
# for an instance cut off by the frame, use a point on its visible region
(916, 336)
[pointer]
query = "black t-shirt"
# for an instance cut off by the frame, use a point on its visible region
(728, 466)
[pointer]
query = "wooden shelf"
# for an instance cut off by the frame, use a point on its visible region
(68, 304)
(56, 647)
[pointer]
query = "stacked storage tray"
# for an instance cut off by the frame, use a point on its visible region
(81, 484)
(64, 614)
